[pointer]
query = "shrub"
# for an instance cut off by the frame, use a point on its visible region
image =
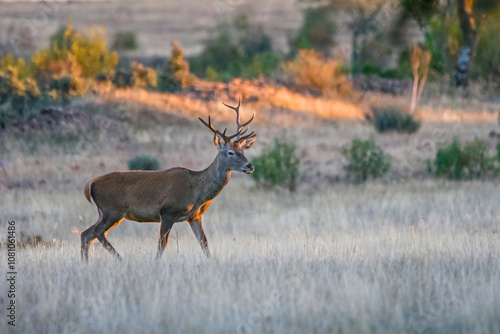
(313, 71)
(125, 40)
(236, 50)
(143, 162)
(18, 95)
(142, 76)
(317, 31)
(261, 64)
(456, 163)
(66, 68)
(392, 119)
(24, 70)
(277, 166)
(86, 54)
(250, 38)
(364, 160)
(177, 75)
(498, 150)
(487, 56)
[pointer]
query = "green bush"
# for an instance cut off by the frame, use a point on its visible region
(317, 31)
(235, 50)
(456, 163)
(487, 56)
(392, 119)
(18, 95)
(277, 166)
(498, 150)
(143, 162)
(125, 40)
(364, 160)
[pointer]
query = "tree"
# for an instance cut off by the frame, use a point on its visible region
(317, 31)
(365, 19)
(470, 14)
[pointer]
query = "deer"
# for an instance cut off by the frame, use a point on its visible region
(168, 196)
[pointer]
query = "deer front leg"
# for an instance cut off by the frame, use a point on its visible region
(165, 228)
(197, 227)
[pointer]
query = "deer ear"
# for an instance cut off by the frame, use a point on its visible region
(246, 143)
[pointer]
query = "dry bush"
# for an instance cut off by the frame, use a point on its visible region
(142, 76)
(313, 71)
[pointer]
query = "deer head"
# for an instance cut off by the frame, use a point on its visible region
(231, 147)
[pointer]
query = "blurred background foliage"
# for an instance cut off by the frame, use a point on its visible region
(459, 38)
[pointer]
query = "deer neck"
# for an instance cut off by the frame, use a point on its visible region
(213, 180)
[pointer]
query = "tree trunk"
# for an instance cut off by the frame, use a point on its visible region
(468, 27)
(356, 52)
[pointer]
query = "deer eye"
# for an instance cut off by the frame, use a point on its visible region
(230, 153)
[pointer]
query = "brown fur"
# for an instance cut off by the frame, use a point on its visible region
(86, 191)
(168, 196)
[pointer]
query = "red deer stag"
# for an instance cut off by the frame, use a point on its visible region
(169, 196)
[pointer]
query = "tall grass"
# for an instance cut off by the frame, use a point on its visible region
(359, 260)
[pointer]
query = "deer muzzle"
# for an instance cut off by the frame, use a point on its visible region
(248, 169)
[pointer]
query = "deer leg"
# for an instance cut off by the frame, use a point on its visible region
(88, 236)
(107, 224)
(165, 228)
(197, 227)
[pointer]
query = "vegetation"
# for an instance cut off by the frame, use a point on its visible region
(317, 31)
(392, 119)
(143, 162)
(236, 50)
(18, 91)
(78, 54)
(177, 75)
(125, 40)
(364, 160)
(67, 68)
(454, 28)
(277, 166)
(487, 57)
(457, 163)
(313, 71)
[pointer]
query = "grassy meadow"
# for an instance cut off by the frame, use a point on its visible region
(406, 254)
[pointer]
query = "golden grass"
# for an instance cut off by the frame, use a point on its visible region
(401, 255)
(410, 257)
(266, 99)
(453, 115)
(269, 98)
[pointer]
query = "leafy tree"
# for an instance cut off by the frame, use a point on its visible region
(470, 15)
(365, 17)
(317, 31)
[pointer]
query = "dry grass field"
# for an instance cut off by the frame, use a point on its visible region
(406, 254)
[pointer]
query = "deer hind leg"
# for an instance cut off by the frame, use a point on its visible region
(106, 224)
(197, 227)
(88, 236)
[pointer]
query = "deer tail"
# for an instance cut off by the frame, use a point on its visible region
(87, 190)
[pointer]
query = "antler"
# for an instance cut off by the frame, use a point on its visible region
(239, 131)
(209, 125)
(239, 126)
